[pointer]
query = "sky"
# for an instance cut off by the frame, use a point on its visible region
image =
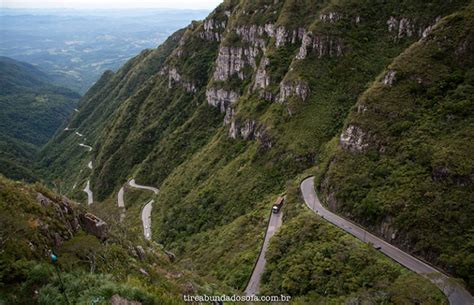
(110, 4)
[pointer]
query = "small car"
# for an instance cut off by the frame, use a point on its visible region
(276, 208)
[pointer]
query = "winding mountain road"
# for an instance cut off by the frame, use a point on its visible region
(146, 219)
(146, 211)
(120, 201)
(455, 293)
(253, 286)
(87, 189)
(132, 183)
(86, 146)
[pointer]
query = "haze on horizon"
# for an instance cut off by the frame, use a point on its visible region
(109, 4)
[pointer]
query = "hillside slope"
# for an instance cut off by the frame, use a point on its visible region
(232, 109)
(403, 164)
(32, 110)
(98, 260)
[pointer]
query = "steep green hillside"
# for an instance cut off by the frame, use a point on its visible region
(404, 165)
(228, 110)
(98, 261)
(32, 110)
(317, 264)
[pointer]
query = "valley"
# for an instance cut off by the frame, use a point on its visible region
(314, 149)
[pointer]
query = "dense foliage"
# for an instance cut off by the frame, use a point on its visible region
(32, 109)
(34, 220)
(416, 175)
(150, 120)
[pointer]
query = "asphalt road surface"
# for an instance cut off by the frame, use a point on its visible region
(146, 219)
(86, 146)
(456, 294)
(253, 285)
(146, 211)
(87, 189)
(144, 187)
(120, 201)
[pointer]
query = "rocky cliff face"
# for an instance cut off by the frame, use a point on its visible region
(230, 108)
(401, 141)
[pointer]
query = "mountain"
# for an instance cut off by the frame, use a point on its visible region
(373, 98)
(97, 260)
(75, 46)
(32, 110)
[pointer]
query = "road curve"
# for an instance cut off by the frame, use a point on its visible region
(456, 294)
(120, 201)
(132, 183)
(253, 286)
(87, 189)
(146, 211)
(86, 146)
(146, 219)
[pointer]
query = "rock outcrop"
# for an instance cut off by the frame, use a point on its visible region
(354, 139)
(232, 61)
(283, 36)
(94, 225)
(297, 88)
(321, 45)
(389, 78)
(221, 98)
(213, 29)
(262, 79)
(174, 78)
(406, 27)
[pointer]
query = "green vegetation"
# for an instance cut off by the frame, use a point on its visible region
(151, 121)
(35, 220)
(316, 263)
(32, 110)
(415, 177)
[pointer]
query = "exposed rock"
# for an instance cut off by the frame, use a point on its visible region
(293, 88)
(94, 225)
(43, 200)
(170, 255)
(232, 60)
(283, 36)
(262, 79)
(212, 29)
(361, 108)
(255, 35)
(389, 78)
(234, 129)
(140, 252)
(144, 272)
(57, 240)
(221, 98)
(175, 78)
(330, 17)
(353, 139)
(118, 300)
(404, 27)
(247, 130)
(429, 28)
(323, 45)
